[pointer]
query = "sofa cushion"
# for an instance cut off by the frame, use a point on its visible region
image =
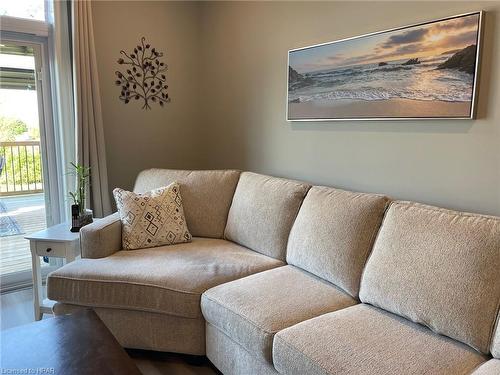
(438, 268)
(231, 358)
(154, 218)
(334, 233)
(495, 342)
(168, 279)
(206, 196)
(365, 340)
(492, 367)
(251, 310)
(263, 211)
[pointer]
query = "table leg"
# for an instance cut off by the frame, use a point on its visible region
(37, 281)
(70, 253)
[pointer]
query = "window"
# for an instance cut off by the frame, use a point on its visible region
(30, 9)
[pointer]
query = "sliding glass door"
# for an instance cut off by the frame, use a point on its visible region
(26, 157)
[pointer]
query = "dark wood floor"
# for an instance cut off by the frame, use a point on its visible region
(16, 308)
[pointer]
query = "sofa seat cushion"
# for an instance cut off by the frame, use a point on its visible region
(251, 310)
(492, 367)
(363, 339)
(167, 279)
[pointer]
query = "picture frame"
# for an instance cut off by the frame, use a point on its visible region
(427, 70)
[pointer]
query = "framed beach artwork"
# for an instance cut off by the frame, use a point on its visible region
(423, 71)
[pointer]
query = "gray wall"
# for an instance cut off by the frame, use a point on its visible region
(137, 139)
(244, 55)
(228, 84)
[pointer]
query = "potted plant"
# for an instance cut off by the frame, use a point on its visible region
(80, 216)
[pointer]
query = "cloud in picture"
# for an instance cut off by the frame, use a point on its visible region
(412, 36)
(425, 40)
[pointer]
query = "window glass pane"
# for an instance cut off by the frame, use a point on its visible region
(32, 9)
(22, 200)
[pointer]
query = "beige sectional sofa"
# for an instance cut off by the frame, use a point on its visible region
(286, 278)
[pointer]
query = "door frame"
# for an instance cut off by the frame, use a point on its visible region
(48, 139)
(48, 147)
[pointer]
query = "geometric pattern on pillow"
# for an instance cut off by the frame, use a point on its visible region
(155, 218)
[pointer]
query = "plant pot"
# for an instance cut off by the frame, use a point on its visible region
(79, 220)
(86, 218)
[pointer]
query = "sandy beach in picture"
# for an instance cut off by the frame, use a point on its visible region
(421, 71)
(347, 108)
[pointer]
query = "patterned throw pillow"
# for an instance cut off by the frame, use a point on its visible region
(152, 219)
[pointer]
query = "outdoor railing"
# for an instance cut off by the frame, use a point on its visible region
(20, 168)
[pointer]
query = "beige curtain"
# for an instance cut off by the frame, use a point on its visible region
(89, 126)
(62, 99)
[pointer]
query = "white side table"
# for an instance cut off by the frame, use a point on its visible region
(57, 242)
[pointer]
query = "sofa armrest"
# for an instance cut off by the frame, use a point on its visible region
(101, 238)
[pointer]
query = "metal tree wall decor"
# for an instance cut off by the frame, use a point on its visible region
(144, 78)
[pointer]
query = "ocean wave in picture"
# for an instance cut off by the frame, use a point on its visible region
(373, 93)
(422, 81)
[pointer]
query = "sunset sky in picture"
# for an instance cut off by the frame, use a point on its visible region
(418, 41)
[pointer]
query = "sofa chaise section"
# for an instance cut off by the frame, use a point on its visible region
(329, 243)
(430, 295)
(164, 283)
(167, 279)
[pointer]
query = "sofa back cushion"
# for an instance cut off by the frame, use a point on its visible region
(206, 196)
(263, 211)
(439, 268)
(334, 234)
